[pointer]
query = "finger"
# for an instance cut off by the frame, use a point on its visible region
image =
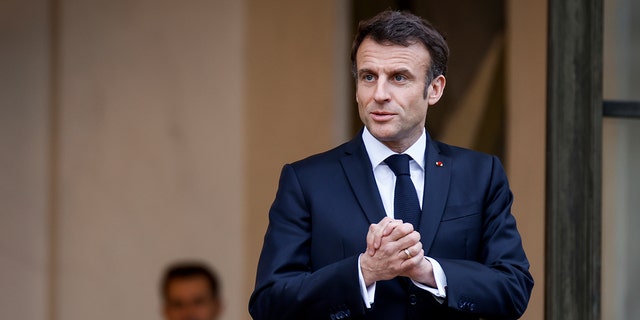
(396, 242)
(410, 263)
(406, 254)
(374, 229)
(401, 231)
(386, 227)
(370, 236)
(410, 250)
(416, 250)
(409, 241)
(389, 227)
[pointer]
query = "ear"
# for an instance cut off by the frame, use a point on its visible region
(436, 88)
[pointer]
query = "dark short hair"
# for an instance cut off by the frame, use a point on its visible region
(187, 270)
(405, 29)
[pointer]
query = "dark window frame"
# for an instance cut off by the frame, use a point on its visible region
(621, 109)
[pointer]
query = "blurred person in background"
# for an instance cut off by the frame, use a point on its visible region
(190, 291)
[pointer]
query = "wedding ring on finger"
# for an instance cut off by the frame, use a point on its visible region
(406, 251)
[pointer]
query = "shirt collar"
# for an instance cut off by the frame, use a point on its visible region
(378, 152)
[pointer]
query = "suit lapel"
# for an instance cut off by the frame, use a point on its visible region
(436, 190)
(357, 168)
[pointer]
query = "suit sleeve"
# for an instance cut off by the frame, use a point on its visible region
(286, 286)
(499, 284)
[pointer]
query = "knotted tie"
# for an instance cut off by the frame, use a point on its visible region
(405, 200)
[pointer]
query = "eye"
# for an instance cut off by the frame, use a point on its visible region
(399, 77)
(368, 77)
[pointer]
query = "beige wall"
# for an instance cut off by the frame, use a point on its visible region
(150, 151)
(24, 222)
(295, 58)
(525, 147)
(140, 96)
(143, 146)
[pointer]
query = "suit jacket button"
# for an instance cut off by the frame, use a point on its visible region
(413, 300)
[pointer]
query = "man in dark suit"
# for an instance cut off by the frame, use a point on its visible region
(393, 225)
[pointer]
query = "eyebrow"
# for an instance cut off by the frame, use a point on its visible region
(363, 71)
(403, 71)
(395, 71)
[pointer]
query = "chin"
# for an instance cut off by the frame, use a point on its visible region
(382, 134)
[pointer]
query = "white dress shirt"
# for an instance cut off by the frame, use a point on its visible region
(386, 181)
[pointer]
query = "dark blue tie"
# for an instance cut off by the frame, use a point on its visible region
(405, 200)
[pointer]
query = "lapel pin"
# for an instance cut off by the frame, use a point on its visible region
(439, 164)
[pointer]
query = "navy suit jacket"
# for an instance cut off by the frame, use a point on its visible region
(317, 229)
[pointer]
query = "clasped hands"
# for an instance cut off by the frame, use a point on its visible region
(394, 249)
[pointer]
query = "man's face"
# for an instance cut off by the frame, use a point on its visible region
(190, 299)
(390, 91)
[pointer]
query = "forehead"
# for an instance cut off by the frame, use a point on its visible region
(187, 286)
(374, 55)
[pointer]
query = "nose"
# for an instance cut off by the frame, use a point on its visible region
(381, 93)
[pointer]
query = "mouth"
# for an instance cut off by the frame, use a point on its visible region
(381, 116)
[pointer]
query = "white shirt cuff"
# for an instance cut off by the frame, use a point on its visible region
(439, 293)
(368, 293)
